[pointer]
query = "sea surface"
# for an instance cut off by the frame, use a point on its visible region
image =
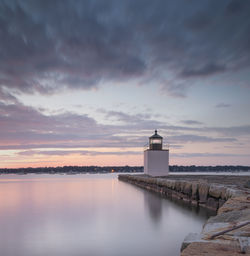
(89, 215)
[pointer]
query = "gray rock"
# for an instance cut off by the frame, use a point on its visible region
(230, 192)
(178, 185)
(170, 184)
(232, 216)
(221, 202)
(203, 192)
(217, 191)
(190, 238)
(212, 227)
(212, 203)
(183, 184)
(195, 190)
(188, 188)
(160, 182)
(247, 184)
(173, 184)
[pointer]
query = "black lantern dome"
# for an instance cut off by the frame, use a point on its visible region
(155, 142)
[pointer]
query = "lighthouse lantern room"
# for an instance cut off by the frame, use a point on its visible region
(156, 157)
(155, 142)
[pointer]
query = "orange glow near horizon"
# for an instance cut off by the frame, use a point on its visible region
(112, 160)
(71, 160)
(53, 157)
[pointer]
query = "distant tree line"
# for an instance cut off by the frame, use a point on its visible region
(217, 168)
(122, 169)
(73, 169)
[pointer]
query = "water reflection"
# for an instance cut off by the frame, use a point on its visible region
(88, 215)
(153, 203)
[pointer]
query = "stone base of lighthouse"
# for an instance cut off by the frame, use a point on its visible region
(156, 162)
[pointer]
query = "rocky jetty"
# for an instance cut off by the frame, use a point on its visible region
(227, 233)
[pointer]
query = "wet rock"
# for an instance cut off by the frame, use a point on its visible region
(187, 188)
(221, 202)
(161, 182)
(194, 202)
(135, 178)
(178, 185)
(143, 179)
(166, 191)
(247, 184)
(195, 190)
(170, 184)
(151, 180)
(173, 184)
(212, 203)
(183, 184)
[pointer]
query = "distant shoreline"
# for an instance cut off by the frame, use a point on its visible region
(121, 169)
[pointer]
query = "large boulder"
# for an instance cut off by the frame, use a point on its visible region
(217, 191)
(235, 203)
(212, 203)
(232, 216)
(203, 192)
(211, 249)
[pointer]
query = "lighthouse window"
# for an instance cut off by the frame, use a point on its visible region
(156, 141)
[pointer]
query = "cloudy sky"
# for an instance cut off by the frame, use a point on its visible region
(86, 82)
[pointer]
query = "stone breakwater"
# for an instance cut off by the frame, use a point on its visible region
(227, 233)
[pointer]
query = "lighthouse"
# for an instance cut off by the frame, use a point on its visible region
(156, 157)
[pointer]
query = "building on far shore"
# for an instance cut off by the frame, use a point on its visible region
(156, 157)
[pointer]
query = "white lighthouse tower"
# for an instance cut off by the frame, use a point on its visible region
(156, 157)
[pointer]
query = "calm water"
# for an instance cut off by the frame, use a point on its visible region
(92, 215)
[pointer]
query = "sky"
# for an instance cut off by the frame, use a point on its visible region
(87, 82)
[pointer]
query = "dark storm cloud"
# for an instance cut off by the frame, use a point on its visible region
(71, 43)
(234, 7)
(49, 45)
(199, 21)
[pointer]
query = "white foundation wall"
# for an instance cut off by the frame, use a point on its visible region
(156, 162)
